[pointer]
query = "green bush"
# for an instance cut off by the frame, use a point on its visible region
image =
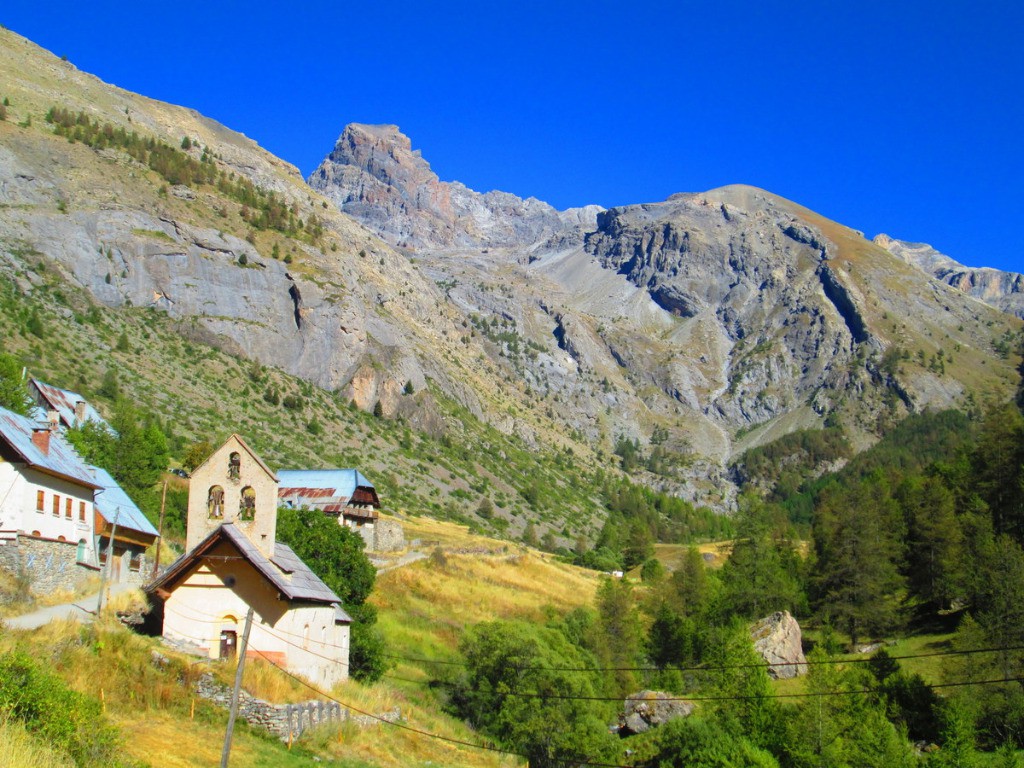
(68, 720)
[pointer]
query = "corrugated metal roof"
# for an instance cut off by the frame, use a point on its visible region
(286, 571)
(327, 489)
(60, 459)
(306, 493)
(112, 502)
(64, 402)
(341, 482)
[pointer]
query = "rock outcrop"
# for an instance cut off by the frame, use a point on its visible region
(999, 289)
(374, 174)
(649, 709)
(777, 638)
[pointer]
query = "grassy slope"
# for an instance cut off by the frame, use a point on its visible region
(199, 392)
(423, 609)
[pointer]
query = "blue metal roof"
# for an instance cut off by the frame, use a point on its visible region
(112, 502)
(343, 482)
(59, 459)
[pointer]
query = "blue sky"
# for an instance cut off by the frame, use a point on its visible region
(897, 117)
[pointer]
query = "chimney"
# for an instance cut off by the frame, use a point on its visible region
(53, 419)
(80, 413)
(41, 440)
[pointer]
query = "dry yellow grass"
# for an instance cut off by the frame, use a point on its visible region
(425, 607)
(447, 535)
(715, 552)
(20, 749)
(21, 601)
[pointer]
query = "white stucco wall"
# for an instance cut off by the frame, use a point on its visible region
(18, 493)
(302, 638)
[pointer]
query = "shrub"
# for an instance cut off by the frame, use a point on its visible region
(43, 703)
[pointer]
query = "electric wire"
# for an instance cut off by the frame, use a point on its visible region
(692, 698)
(212, 619)
(402, 726)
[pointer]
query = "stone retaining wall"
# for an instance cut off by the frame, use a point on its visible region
(286, 720)
(50, 566)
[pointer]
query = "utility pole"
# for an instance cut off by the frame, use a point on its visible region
(234, 694)
(104, 574)
(160, 531)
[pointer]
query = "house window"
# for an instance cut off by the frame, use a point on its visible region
(247, 504)
(215, 502)
(234, 466)
(81, 511)
(80, 553)
(56, 505)
(135, 562)
(40, 498)
(68, 505)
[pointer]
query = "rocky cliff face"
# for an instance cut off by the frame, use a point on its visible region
(999, 289)
(374, 174)
(720, 319)
(737, 262)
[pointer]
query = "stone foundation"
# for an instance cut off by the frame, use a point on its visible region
(50, 566)
(47, 566)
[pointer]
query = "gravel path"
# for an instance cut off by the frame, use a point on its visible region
(83, 609)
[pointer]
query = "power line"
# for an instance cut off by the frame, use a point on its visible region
(724, 667)
(696, 668)
(428, 734)
(723, 697)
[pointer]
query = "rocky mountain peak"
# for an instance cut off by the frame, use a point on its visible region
(375, 175)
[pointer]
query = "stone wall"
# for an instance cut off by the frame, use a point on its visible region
(50, 566)
(388, 537)
(286, 720)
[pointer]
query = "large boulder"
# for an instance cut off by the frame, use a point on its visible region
(777, 639)
(648, 709)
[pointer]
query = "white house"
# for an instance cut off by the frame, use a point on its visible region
(233, 562)
(47, 511)
(57, 513)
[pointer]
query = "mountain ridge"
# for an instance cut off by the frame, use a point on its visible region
(699, 326)
(997, 288)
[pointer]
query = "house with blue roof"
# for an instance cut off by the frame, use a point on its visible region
(57, 513)
(344, 494)
(47, 505)
(118, 516)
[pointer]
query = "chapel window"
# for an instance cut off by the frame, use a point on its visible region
(215, 502)
(247, 504)
(234, 466)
